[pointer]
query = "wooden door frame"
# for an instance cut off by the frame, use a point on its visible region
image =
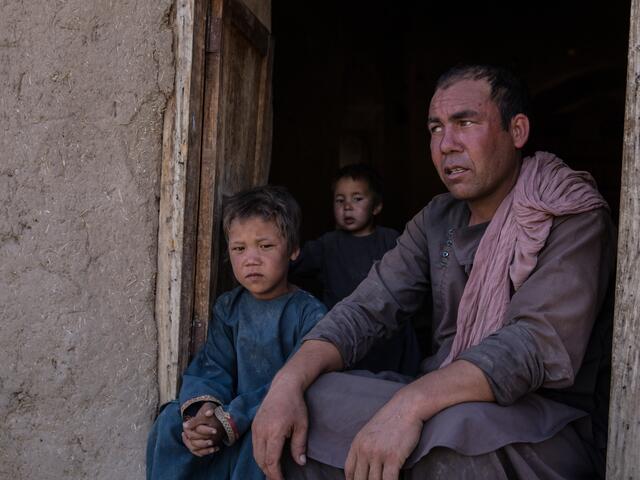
(190, 190)
(184, 177)
(179, 195)
(623, 453)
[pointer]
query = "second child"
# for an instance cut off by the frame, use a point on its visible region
(339, 260)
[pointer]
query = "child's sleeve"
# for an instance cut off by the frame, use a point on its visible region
(211, 375)
(240, 411)
(312, 313)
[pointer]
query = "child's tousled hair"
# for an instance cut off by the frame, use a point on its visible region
(361, 171)
(268, 202)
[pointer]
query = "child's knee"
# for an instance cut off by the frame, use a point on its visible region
(170, 419)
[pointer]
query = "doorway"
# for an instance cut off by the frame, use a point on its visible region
(352, 81)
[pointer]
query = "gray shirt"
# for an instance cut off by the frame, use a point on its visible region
(546, 345)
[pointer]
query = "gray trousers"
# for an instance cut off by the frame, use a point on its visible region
(564, 456)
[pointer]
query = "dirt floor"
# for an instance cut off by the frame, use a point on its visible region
(83, 86)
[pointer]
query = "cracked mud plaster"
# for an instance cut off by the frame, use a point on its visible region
(83, 88)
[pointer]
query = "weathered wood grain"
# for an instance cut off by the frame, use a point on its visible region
(623, 458)
(180, 182)
(236, 146)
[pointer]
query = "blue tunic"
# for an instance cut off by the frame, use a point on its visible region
(248, 341)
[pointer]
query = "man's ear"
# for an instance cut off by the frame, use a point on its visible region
(294, 255)
(377, 209)
(519, 130)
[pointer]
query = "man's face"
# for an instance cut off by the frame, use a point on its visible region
(259, 257)
(354, 206)
(475, 157)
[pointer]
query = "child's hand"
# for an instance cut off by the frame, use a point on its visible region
(203, 434)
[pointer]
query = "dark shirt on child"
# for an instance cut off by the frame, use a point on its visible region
(340, 261)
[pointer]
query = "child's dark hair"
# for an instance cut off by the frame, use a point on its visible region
(362, 171)
(268, 202)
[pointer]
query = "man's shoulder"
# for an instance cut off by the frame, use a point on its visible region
(442, 209)
(596, 222)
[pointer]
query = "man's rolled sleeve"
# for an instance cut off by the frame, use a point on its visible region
(550, 318)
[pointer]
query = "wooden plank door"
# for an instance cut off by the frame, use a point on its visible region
(236, 135)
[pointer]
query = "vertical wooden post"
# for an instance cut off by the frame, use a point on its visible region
(623, 458)
(179, 193)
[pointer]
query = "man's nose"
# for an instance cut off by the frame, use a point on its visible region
(449, 141)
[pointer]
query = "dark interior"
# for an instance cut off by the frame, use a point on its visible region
(353, 79)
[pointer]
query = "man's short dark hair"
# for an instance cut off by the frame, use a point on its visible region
(507, 90)
(362, 171)
(269, 202)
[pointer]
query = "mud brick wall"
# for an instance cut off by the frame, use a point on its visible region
(83, 87)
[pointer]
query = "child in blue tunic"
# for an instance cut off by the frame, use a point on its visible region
(339, 260)
(254, 330)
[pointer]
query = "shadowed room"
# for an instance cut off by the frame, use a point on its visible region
(353, 80)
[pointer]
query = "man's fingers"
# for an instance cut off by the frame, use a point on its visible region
(350, 465)
(375, 471)
(272, 459)
(259, 448)
(391, 471)
(299, 444)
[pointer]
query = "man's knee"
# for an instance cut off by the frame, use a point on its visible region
(311, 471)
(444, 463)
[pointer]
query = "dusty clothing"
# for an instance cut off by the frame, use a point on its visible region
(546, 345)
(547, 459)
(508, 252)
(248, 342)
(340, 261)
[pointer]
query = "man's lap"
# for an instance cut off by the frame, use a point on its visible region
(562, 456)
(340, 404)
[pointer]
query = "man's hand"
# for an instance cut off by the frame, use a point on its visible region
(283, 415)
(203, 434)
(384, 443)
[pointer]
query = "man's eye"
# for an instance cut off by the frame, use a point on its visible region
(266, 246)
(465, 123)
(435, 129)
(237, 249)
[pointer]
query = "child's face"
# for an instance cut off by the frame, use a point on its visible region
(259, 257)
(354, 206)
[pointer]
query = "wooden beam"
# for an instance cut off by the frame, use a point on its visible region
(209, 211)
(245, 21)
(179, 193)
(265, 121)
(623, 458)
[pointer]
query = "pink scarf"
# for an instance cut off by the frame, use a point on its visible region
(508, 251)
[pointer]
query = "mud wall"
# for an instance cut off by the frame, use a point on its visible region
(83, 87)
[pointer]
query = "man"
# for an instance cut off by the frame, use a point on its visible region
(515, 262)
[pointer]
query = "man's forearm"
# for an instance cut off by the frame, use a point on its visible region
(459, 382)
(314, 358)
